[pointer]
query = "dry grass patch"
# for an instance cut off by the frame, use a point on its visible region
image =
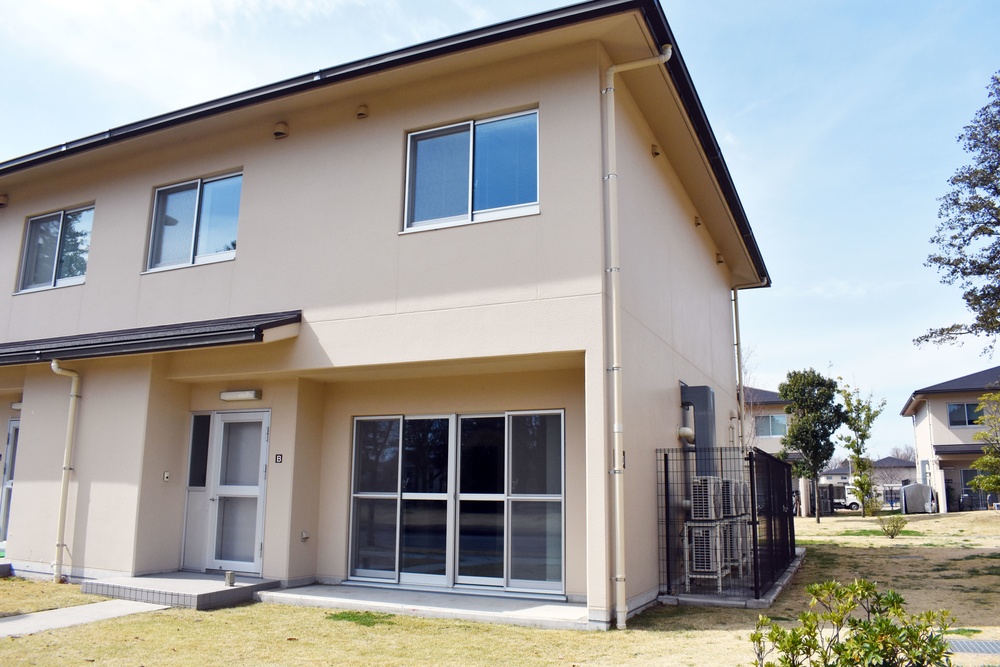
(23, 596)
(961, 578)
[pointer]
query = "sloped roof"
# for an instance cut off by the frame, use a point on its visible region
(974, 382)
(894, 462)
(164, 338)
(755, 396)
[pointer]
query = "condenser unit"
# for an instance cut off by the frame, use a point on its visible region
(732, 497)
(706, 498)
(705, 555)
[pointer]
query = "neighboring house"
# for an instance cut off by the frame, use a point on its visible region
(766, 420)
(888, 473)
(374, 324)
(944, 420)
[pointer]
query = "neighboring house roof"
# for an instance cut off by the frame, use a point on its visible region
(228, 331)
(894, 462)
(843, 470)
(975, 382)
(755, 396)
(649, 10)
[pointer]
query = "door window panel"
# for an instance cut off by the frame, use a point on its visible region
(536, 541)
(480, 539)
(376, 455)
(425, 455)
(240, 454)
(424, 537)
(481, 455)
(374, 543)
(236, 529)
(536, 454)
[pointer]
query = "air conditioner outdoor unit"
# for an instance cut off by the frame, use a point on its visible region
(732, 497)
(705, 549)
(706, 498)
(734, 541)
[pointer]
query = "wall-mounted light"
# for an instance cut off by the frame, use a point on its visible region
(280, 130)
(242, 395)
(362, 112)
(16, 405)
(719, 259)
(655, 150)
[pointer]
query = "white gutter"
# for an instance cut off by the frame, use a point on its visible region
(74, 395)
(614, 317)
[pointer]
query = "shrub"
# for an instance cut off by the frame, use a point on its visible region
(872, 505)
(892, 525)
(855, 625)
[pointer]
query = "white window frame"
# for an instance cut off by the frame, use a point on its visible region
(770, 426)
(966, 405)
(193, 259)
(471, 216)
(54, 280)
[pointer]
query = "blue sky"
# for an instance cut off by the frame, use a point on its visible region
(837, 119)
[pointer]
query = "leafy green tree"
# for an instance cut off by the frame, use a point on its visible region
(860, 414)
(968, 237)
(815, 417)
(988, 465)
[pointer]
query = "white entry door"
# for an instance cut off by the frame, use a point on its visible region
(224, 528)
(7, 489)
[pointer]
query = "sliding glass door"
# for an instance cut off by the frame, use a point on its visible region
(471, 500)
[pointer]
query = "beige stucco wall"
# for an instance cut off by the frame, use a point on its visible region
(677, 327)
(103, 492)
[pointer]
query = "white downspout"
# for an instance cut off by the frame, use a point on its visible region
(74, 395)
(740, 389)
(614, 316)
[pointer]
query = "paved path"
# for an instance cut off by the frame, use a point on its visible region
(26, 624)
(975, 646)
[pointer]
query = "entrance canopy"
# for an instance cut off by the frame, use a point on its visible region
(164, 338)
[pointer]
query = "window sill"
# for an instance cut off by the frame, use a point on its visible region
(486, 216)
(46, 288)
(210, 259)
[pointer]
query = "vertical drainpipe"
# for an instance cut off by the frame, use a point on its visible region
(614, 317)
(74, 395)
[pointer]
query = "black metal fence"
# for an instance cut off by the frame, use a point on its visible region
(725, 521)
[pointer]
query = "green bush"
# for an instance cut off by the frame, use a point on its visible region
(892, 525)
(872, 506)
(854, 625)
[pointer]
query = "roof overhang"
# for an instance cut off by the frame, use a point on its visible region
(940, 450)
(719, 203)
(166, 338)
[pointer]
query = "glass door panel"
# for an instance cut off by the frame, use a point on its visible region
(424, 541)
(536, 544)
(373, 552)
(425, 528)
(7, 482)
(480, 542)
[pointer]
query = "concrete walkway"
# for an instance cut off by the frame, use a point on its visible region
(27, 624)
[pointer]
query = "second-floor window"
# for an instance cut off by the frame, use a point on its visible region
(472, 172)
(56, 249)
(195, 222)
(768, 426)
(963, 414)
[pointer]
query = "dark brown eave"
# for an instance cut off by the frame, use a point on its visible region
(940, 450)
(650, 10)
(164, 338)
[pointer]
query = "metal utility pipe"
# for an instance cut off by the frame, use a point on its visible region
(74, 395)
(614, 317)
(741, 400)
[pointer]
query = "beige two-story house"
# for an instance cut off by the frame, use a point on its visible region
(395, 323)
(944, 421)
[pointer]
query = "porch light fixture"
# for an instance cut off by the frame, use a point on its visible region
(244, 395)
(16, 405)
